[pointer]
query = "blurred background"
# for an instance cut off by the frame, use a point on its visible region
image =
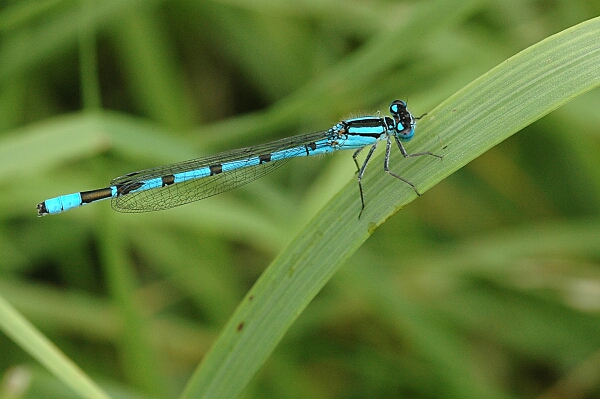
(487, 286)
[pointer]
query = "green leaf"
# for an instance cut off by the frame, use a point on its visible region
(39, 347)
(492, 108)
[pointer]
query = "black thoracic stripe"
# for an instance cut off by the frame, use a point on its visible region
(123, 189)
(95, 195)
(215, 169)
(167, 180)
(364, 122)
(264, 158)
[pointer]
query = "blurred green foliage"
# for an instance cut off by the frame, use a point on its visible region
(491, 279)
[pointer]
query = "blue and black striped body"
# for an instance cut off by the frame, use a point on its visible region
(180, 183)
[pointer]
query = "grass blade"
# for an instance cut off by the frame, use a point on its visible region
(492, 108)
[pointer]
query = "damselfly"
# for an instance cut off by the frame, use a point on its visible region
(169, 186)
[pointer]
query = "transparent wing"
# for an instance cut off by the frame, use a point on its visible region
(170, 196)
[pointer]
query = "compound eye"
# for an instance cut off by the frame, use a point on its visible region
(397, 107)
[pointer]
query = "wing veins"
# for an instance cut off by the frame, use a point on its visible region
(220, 158)
(181, 193)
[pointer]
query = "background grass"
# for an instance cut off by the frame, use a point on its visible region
(490, 281)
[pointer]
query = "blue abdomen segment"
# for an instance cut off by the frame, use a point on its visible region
(60, 204)
(65, 202)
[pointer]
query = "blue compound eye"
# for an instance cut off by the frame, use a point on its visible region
(397, 107)
(405, 132)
